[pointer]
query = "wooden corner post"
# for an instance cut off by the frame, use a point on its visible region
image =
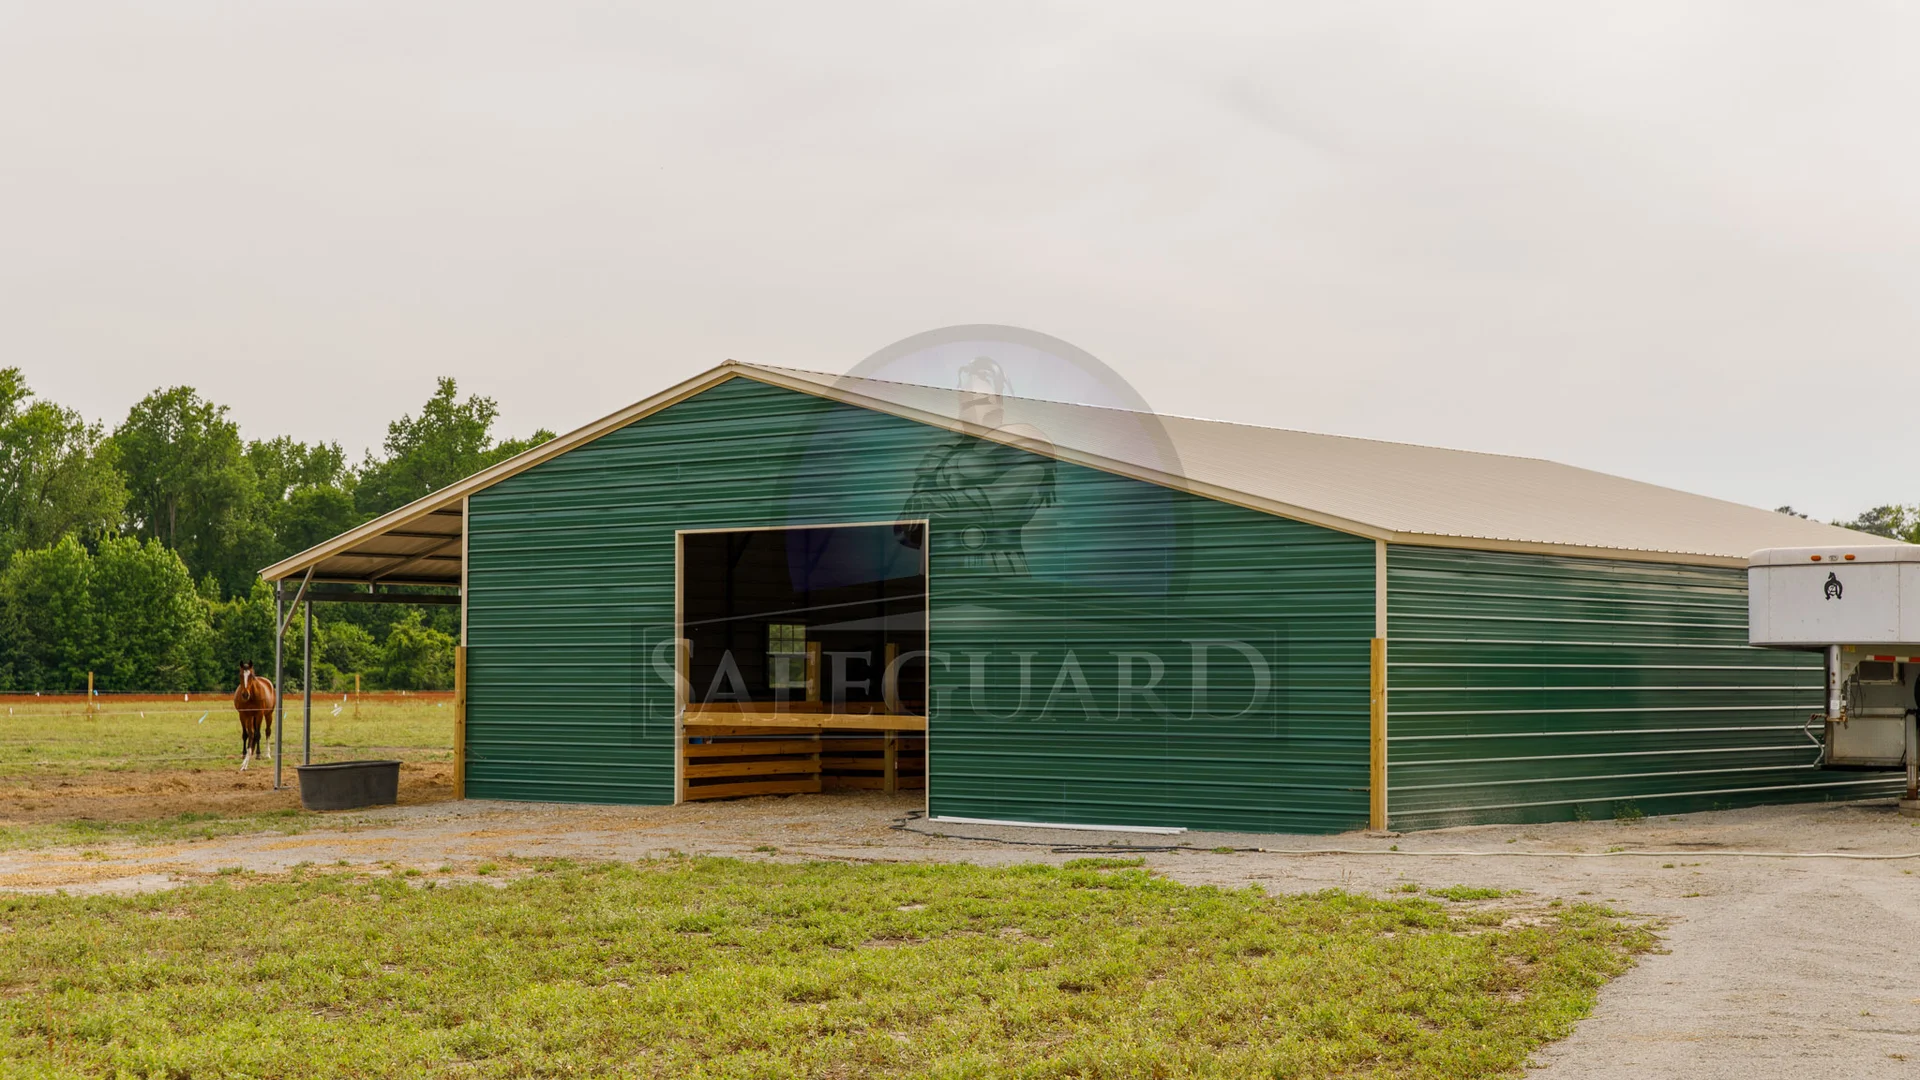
(1377, 741)
(1377, 696)
(459, 659)
(459, 721)
(682, 698)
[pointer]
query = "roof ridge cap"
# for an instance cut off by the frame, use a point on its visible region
(1178, 416)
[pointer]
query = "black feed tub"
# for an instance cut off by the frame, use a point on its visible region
(344, 785)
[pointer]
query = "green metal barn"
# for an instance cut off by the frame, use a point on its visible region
(767, 581)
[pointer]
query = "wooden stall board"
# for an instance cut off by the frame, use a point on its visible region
(730, 751)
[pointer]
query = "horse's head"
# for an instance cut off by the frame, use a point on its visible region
(246, 673)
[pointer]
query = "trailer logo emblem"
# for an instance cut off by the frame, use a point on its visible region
(1833, 587)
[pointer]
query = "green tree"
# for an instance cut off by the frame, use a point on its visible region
(282, 464)
(47, 617)
(449, 440)
(347, 647)
(304, 493)
(190, 486)
(347, 650)
(57, 472)
(1893, 521)
(129, 614)
(242, 631)
(308, 516)
(150, 624)
(415, 656)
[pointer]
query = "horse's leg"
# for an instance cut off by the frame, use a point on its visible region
(266, 734)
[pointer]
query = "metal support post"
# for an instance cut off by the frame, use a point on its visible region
(306, 688)
(279, 678)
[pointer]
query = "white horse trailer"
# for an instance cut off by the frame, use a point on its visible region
(1861, 607)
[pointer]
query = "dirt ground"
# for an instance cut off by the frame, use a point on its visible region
(1787, 967)
(146, 794)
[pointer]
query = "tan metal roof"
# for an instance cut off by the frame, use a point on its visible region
(423, 550)
(1397, 492)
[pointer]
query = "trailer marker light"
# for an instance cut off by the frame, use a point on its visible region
(1849, 558)
(1816, 558)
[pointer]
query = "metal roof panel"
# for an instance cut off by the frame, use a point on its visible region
(1399, 492)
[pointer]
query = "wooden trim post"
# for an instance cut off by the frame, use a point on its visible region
(891, 777)
(1377, 730)
(459, 720)
(459, 659)
(1377, 696)
(813, 671)
(91, 714)
(682, 698)
(890, 680)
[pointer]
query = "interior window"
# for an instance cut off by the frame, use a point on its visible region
(787, 656)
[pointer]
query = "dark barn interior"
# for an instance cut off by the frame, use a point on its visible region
(803, 651)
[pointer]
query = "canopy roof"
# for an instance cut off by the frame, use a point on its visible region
(1397, 492)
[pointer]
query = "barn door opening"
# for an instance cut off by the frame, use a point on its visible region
(804, 654)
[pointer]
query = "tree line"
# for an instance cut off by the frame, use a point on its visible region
(1895, 521)
(134, 553)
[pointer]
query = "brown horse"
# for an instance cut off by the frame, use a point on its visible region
(254, 700)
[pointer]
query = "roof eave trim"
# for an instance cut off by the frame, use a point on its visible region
(1581, 551)
(1233, 497)
(455, 493)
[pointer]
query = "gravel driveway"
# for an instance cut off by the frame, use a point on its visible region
(1775, 967)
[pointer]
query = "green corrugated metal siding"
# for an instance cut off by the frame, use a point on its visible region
(1299, 596)
(1538, 688)
(571, 577)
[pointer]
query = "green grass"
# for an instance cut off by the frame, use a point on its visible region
(1105, 863)
(1466, 892)
(165, 830)
(132, 737)
(716, 968)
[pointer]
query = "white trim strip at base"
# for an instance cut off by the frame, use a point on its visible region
(1157, 830)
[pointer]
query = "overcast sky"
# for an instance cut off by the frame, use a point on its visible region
(1679, 242)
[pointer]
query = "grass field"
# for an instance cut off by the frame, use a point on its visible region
(156, 768)
(694, 967)
(168, 733)
(717, 968)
